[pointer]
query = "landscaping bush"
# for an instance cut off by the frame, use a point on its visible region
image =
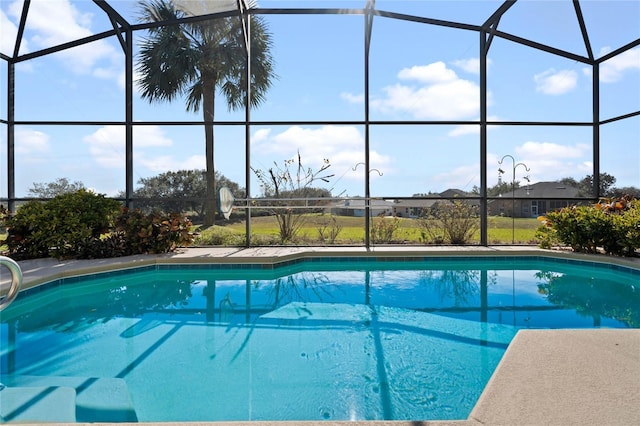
(328, 230)
(218, 236)
(25, 239)
(292, 183)
(453, 223)
(612, 225)
(57, 227)
(84, 225)
(154, 232)
(383, 229)
(112, 245)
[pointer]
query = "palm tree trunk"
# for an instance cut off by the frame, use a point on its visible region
(208, 103)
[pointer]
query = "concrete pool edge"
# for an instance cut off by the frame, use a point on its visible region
(40, 271)
(606, 375)
(565, 377)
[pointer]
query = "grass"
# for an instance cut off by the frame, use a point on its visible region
(265, 229)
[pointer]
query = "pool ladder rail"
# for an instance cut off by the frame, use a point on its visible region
(16, 281)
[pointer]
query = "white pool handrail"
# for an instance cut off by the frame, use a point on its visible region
(16, 280)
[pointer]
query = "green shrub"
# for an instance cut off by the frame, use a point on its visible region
(154, 232)
(112, 245)
(328, 230)
(547, 236)
(57, 227)
(627, 228)
(25, 239)
(612, 226)
(383, 229)
(84, 225)
(265, 240)
(218, 236)
(453, 223)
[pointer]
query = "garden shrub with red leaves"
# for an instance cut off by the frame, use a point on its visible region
(611, 225)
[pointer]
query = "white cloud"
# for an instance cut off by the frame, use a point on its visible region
(341, 145)
(436, 72)
(107, 146)
(613, 69)
(8, 33)
(465, 130)
(351, 98)
(150, 136)
(550, 161)
(552, 82)
(544, 150)
(462, 177)
(29, 142)
(54, 22)
(314, 144)
(440, 94)
(471, 65)
(166, 162)
(471, 129)
(547, 161)
(260, 135)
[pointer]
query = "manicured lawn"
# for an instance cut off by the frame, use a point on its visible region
(352, 229)
(265, 230)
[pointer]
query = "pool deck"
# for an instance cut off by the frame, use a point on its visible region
(546, 377)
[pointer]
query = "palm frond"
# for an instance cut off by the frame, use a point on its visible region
(176, 56)
(167, 61)
(194, 96)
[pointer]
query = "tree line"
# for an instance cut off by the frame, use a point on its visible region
(584, 185)
(186, 190)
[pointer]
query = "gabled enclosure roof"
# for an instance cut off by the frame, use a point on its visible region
(207, 7)
(551, 21)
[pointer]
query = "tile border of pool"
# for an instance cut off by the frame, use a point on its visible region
(47, 271)
(38, 286)
(618, 352)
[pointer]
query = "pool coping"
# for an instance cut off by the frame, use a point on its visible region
(40, 271)
(565, 377)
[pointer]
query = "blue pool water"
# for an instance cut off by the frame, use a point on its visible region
(354, 339)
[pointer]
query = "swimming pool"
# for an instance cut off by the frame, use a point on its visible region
(317, 339)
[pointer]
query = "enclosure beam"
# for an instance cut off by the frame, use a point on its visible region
(368, 27)
(583, 28)
(483, 138)
(246, 18)
(596, 130)
(129, 118)
(11, 117)
(11, 151)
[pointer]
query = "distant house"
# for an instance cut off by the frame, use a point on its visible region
(356, 208)
(413, 208)
(535, 200)
(528, 201)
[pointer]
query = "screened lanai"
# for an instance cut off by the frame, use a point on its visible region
(393, 106)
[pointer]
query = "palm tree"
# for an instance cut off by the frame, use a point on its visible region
(198, 58)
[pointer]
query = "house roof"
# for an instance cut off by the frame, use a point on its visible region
(359, 204)
(453, 192)
(544, 190)
(415, 203)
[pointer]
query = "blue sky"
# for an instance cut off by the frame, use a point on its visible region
(418, 72)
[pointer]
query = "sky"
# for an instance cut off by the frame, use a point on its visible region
(417, 73)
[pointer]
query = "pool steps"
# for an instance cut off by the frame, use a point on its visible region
(37, 404)
(33, 399)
